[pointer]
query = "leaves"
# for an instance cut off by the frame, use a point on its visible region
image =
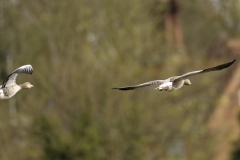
(80, 50)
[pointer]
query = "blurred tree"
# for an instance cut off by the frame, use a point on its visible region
(236, 152)
(173, 23)
(79, 50)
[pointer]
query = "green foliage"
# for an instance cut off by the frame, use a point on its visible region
(78, 142)
(236, 152)
(79, 50)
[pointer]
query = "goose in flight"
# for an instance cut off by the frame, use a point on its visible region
(9, 87)
(176, 82)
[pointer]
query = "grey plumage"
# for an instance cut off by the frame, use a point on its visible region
(141, 85)
(9, 87)
(177, 81)
(10, 80)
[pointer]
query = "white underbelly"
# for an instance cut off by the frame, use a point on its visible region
(3, 96)
(166, 86)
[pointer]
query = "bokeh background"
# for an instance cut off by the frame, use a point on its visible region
(80, 49)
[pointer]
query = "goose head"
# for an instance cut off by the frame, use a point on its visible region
(26, 85)
(187, 82)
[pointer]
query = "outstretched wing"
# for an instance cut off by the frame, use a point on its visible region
(140, 85)
(10, 80)
(216, 68)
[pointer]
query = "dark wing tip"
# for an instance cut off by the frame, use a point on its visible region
(230, 63)
(226, 65)
(233, 60)
(124, 88)
(219, 67)
(31, 70)
(26, 69)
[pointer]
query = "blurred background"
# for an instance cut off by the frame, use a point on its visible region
(80, 49)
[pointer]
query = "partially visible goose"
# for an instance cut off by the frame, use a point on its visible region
(176, 82)
(9, 87)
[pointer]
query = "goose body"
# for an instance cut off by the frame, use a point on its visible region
(176, 82)
(166, 86)
(173, 84)
(9, 87)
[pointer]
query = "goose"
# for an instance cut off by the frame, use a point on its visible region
(176, 82)
(9, 87)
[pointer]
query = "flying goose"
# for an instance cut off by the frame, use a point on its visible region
(176, 82)
(9, 87)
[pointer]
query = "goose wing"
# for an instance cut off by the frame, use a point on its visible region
(216, 68)
(140, 85)
(10, 80)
